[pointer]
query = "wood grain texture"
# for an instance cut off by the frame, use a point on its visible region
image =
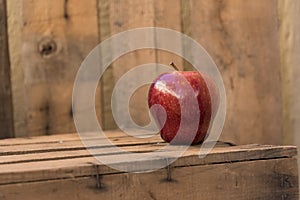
(15, 24)
(36, 162)
(62, 168)
(230, 31)
(54, 43)
(167, 15)
(107, 79)
(6, 107)
(138, 14)
(147, 13)
(51, 44)
(61, 150)
(265, 179)
(242, 38)
(62, 156)
(290, 71)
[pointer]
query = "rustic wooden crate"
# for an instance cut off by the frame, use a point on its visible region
(59, 167)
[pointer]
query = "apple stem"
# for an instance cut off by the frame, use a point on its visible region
(174, 66)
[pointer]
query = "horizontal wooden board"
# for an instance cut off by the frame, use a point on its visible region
(80, 152)
(62, 156)
(264, 179)
(63, 137)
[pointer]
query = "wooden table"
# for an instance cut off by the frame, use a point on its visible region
(59, 167)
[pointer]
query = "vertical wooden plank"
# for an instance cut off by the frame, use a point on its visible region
(6, 110)
(56, 37)
(124, 15)
(186, 28)
(138, 14)
(289, 13)
(242, 37)
(290, 73)
(15, 24)
(168, 15)
(107, 80)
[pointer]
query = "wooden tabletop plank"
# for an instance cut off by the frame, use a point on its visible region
(55, 138)
(64, 156)
(80, 152)
(77, 153)
(112, 134)
(85, 166)
(65, 145)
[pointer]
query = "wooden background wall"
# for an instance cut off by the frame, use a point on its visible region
(49, 39)
(289, 14)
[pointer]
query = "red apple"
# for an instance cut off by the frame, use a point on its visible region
(170, 90)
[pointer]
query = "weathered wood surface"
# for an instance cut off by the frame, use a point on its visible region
(266, 179)
(6, 109)
(60, 167)
(242, 38)
(146, 13)
(290, 72)
(138, 14)
(56, 37)
(15, 24)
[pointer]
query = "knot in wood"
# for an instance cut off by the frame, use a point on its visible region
(47, 47)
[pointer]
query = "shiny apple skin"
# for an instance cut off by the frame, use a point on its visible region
(162, 92)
